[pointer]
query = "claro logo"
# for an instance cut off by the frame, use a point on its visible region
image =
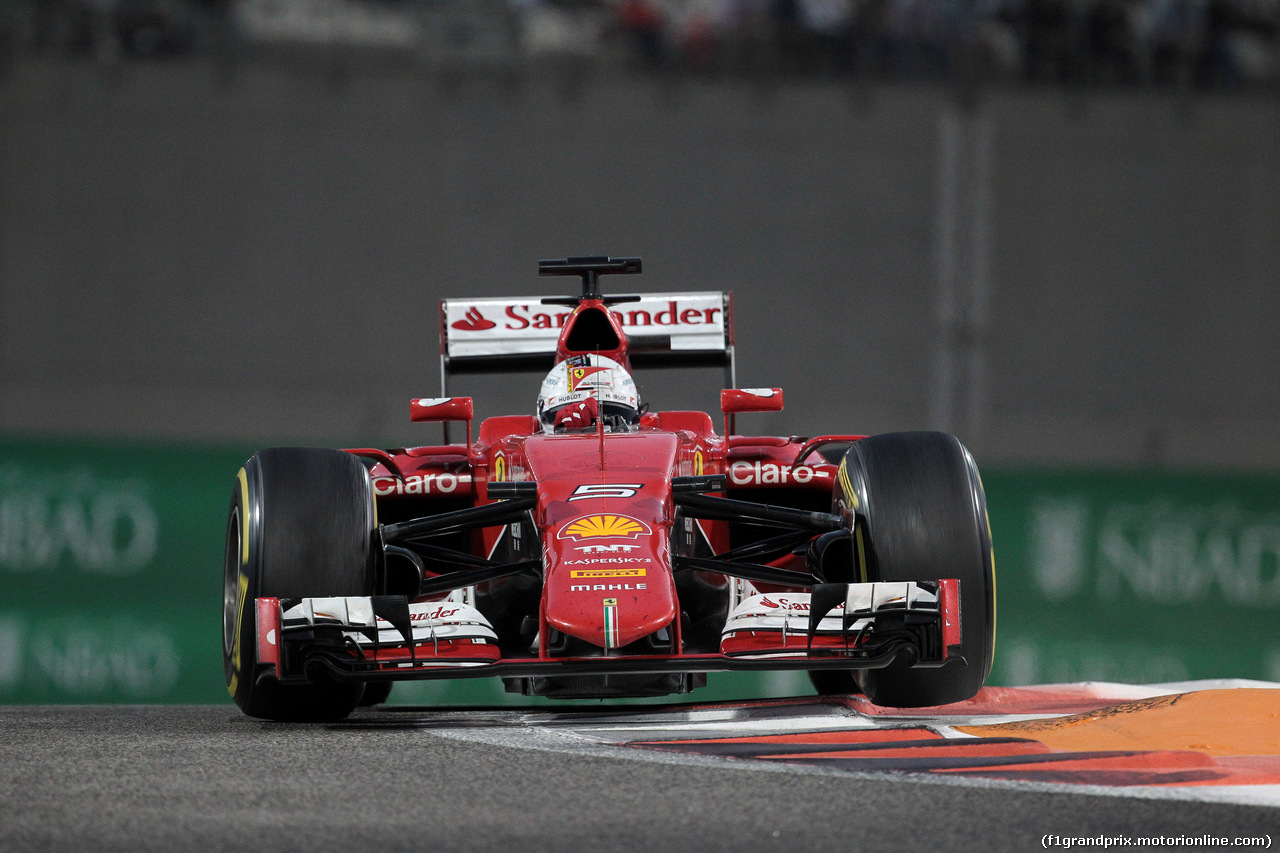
(420, 484)
(772, 474)
(100, 525)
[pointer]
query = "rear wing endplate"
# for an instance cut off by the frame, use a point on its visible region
(519, 334)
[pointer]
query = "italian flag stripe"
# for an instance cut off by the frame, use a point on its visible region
(611, 623)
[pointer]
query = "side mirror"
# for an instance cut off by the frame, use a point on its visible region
(735, 400)
(440, 409)
(443, 410)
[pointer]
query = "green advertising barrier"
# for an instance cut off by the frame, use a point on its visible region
(1135, 577)
(111, 561)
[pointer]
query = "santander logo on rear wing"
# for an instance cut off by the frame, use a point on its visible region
(498, 326)
(505, 333)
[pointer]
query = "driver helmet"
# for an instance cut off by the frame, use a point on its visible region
(589, 377)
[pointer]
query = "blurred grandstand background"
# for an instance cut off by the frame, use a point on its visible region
(1200, 43)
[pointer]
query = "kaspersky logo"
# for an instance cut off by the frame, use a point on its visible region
(474, 321)
(603, 527)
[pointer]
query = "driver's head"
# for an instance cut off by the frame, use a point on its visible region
(584, 387)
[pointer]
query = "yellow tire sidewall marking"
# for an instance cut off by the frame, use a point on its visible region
(243, 581)
(241, 597)
(846, 484)
(244, 517)
(862, 553)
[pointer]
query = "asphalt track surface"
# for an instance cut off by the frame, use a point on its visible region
(210, 779)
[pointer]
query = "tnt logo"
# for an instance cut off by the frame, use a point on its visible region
(607, 549)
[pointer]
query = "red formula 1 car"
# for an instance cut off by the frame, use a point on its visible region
(599, 549)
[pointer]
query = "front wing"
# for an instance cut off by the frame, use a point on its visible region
(383, 638)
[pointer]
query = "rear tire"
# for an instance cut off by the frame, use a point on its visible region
(925, 515)
(300, 526)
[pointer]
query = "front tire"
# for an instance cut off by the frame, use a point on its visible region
(920, 499)
(300, 526)
(376, 693)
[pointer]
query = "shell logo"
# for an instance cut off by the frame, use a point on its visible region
(601, 526)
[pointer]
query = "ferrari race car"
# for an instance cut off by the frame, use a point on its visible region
(599, 549)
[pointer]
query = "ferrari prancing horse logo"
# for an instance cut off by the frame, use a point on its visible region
(578, 374)
(601, 526)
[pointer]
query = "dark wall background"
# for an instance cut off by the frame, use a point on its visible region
(259, 259)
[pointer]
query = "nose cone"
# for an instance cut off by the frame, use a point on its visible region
(614, 591)
(606, 534)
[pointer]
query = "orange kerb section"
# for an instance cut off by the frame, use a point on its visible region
(1064, 699)
(1214, 722)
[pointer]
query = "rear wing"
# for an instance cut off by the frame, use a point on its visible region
(519, 334)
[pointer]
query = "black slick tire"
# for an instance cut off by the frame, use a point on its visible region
(300, 526)
(376, 693)
(920, 502)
